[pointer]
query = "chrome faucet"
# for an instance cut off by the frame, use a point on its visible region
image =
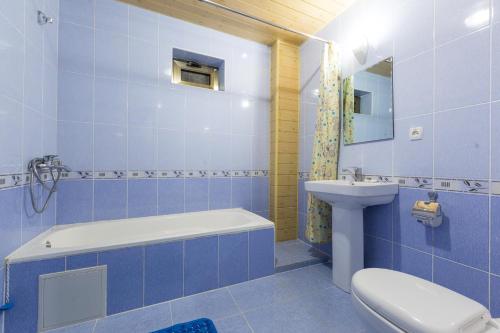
(355, 172)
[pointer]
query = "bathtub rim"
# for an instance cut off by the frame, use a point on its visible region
(22, 253)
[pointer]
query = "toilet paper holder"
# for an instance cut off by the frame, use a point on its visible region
(428, 212)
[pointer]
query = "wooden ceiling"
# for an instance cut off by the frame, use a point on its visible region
(309, 16)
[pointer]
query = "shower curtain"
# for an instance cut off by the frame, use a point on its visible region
(348, 90)
(326, 145)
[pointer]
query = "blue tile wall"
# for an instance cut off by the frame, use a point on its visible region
(463, 236)
(379, 221)
(2, 277)
(411, 261)
(142, 197)
(163, 264)
(110, 199)
(145, 275)
(125, 278)
(242, 193)
(202, 266)
(378, 252)
(233, 259)
(495, 296)
(78, 202)
(406, 231)
(196, 195)
(120, 111)
(220, 193)
(24, 293)
(261, 244)
(170, 196)
(495, 235)
(10, 220)
(28, 107)
(103, 199)
(458, 278)
(439, 84)
(78, 261)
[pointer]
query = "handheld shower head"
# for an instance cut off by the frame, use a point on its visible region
(40, 168)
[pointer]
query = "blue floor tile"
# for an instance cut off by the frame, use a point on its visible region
(235, 324)
(295, 254)
(254, 293)
(281, 287)
(86, 327)
(303, 300)
(216, 304)
(328, 310)
(143, 320)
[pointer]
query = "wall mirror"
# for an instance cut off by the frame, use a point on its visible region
(368, 104)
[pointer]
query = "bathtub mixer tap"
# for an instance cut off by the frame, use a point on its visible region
(39, 168)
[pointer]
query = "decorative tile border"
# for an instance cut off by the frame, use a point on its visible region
(463, 185)
(13, 180)
(415, 182)
(439, 184)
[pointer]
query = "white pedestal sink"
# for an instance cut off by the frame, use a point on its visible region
(348, 200)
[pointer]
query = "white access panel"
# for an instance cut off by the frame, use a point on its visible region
(70, 297)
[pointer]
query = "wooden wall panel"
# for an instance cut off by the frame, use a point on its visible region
(284, 139)
(309, 16)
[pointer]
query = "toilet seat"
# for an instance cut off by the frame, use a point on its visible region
(392, 301)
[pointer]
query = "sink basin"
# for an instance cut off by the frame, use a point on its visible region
(348, 200)
(346, 193)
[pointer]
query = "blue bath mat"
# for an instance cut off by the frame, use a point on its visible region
(202, 325)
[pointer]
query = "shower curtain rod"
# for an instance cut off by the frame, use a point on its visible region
(255, 18)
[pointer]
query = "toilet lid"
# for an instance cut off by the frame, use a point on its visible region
(416, 305)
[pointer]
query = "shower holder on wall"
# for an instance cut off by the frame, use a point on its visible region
(43, 18)
(39, 168)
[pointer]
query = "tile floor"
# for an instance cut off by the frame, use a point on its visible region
(295, 254)
(301, 300)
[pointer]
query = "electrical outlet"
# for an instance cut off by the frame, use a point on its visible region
(416, 133)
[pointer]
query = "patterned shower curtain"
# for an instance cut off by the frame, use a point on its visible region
(348, 90)
(326, 145)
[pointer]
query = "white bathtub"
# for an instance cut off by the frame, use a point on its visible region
(79, 238)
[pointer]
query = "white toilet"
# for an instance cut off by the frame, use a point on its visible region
(390, 301)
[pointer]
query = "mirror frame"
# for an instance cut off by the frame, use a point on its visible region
(344, 123)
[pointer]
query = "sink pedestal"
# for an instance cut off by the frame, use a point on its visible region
(347, 244)
(348, 200)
